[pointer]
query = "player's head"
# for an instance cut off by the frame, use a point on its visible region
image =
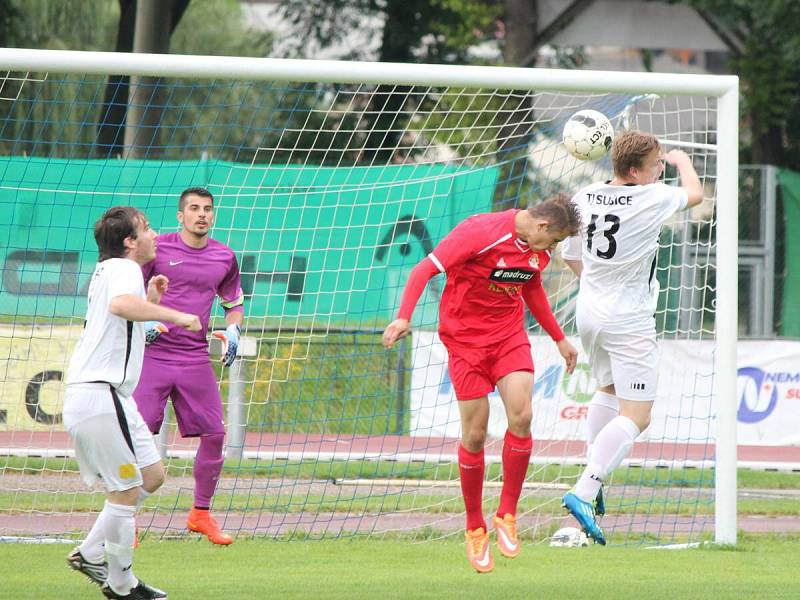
(124, 232)
(196, 211)
(637, 158)
(551, 221)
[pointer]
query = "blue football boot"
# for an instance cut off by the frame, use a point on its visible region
(584, 514)
(599, 504)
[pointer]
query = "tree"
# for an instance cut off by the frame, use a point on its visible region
(10, 18)
(439, 31)
(110, 131)
(515, 133)
(30, 122)
(55, 116)
(111, 127)
(764, 43)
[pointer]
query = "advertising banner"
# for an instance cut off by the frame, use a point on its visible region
(768, 393)
(33, 365)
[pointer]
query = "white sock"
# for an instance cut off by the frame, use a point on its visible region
(612, 444)
(602, 408)
(120, 526)
(93, 547)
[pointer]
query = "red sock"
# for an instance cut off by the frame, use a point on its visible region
(471, 466)
(516, 456)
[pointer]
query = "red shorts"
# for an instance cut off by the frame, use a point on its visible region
(475, 371)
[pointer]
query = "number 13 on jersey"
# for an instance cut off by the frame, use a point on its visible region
(608, 232)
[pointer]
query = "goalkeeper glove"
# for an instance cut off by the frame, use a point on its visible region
(152, 330)
(230, 343)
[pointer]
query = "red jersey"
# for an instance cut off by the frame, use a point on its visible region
(488, 270)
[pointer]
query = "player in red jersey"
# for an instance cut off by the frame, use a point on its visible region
(493, 263)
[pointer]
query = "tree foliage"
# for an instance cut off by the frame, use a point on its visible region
(409, 30)
(61, 115)
(764, 41)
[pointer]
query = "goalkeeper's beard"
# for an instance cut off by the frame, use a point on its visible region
(200, 235)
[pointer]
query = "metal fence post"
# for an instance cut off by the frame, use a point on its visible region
(236, 421)
(236, 424)
(162, 437)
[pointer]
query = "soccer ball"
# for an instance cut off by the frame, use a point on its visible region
(588, 135)
(568, 537)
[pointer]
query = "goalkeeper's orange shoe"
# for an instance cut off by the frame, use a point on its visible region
(506, 530)
(201, 521)
(478, 551)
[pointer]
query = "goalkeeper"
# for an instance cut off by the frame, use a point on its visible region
(176, 361)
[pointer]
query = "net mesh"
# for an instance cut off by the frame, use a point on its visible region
(329, 195)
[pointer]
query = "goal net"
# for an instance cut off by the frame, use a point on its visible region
(331, 181)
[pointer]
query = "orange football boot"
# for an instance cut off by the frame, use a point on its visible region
(506, 530)
(478, 551)
(201, 521)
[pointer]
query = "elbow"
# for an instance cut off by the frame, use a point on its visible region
(426, 269)
(576, 266)
(116, 307)
(119, 307)
(695, 196)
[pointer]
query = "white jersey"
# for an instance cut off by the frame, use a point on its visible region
(617, 244)
(111, 348)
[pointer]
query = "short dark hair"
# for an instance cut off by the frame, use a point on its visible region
(560, 212)
(194, 191)
(110, 230)
(629, 149)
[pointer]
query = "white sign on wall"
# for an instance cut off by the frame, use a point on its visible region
(768, 393)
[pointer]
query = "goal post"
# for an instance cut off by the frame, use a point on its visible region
(727, 309)
(328, 199)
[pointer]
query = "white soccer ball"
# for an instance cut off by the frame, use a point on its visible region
(569, 537)
(588, 135)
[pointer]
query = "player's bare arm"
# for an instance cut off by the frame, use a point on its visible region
(234, 317)
(396, 329)
(417, 280)
(690, 182)
(568, 353)
(156, 288)
(576, 266)
(135, 308)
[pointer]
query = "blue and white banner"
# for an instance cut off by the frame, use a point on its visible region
(768, 393)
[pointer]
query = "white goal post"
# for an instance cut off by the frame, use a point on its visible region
(724, 89)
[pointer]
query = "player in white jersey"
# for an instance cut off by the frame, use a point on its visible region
(112, 443)
(614, 256)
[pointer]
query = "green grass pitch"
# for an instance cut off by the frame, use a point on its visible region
(758, 567)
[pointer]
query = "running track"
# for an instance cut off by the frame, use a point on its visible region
(406, 448)
(400, 448)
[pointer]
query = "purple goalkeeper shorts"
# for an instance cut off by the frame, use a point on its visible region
(194, 393)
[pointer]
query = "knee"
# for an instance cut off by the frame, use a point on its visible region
(640, 419)
(519, 422)
(642, 422)
(153, 477)
(474, 439)
(213, 441)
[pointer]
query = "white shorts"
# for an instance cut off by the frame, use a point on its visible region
(627, 358)
(112, 441)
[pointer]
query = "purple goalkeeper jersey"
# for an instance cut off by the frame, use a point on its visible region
(196, 276)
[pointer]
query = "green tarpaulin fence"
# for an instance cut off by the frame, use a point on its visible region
(314, 243)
